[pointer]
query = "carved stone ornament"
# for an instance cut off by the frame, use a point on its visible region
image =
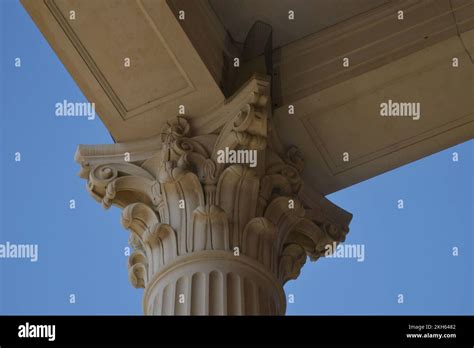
(211, 237)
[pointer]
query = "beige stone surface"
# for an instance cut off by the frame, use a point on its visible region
(369, 40)
(310, 16)
(346, 117)
(184, 63)
(207, 34)
(165, 69)
(214, 237)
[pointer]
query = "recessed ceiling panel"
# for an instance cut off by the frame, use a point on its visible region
(121, 46)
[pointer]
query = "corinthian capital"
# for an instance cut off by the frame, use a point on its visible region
(212, 234)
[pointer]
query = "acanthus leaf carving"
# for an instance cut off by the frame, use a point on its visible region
(137, 269)
(178, 199)
(210, 230)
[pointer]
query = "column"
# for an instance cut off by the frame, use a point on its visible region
(218, 222)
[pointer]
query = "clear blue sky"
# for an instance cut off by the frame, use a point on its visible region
(81, 251)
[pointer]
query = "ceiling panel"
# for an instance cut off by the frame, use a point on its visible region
(238, 16)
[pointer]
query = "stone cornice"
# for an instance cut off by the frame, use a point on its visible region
(368, 40)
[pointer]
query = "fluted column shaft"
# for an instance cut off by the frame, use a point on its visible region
(214, 283)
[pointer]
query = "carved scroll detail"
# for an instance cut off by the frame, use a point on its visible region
(180, 199)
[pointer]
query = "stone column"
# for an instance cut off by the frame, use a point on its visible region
(212, 236)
